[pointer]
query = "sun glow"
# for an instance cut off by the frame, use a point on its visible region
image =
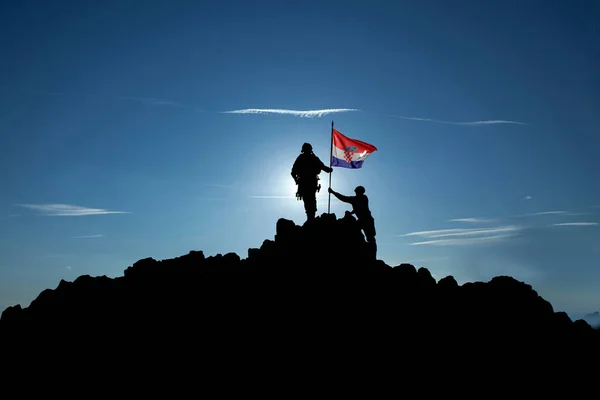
(280, 193)
(291, 187)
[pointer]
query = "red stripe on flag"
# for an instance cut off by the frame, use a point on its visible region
(341, 142)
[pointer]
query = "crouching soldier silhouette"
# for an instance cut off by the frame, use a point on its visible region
(305, 171)
(360, 208)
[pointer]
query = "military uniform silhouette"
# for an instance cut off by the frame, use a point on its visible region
(305, 171)
(360, 208)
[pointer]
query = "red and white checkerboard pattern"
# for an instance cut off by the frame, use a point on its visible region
(348, 155)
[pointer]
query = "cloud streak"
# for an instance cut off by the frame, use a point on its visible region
(464, 232)
(547, 213)
(67, 210)
(296, 113)
(458, 242)
(576, 224)
(464, 123)
(464, 236)
(472, 220)
(87, 236)
(543, 213)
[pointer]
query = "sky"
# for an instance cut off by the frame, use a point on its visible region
(134, 129)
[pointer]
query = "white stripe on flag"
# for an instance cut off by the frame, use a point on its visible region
(339, 153)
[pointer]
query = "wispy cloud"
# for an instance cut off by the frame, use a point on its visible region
(87, 237)
(576, 224)
(473, 220)
(68, 267)
(528, 197)
(456, 242)
(436, 232)
(464, 232)
(297, 113)
(547, 213)
(466, 123)
(457, 236)
(536, 214)
(67, 210)
(489, 122)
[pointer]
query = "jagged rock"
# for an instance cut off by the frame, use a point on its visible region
(581, 325)
(448, 283)
(195, 256)
(408, 271)
(231, 258)
(310, 284)
(253, 253)
(12, 313)
(425, 278)
(284, 229)
(561, 321)
(144, 266)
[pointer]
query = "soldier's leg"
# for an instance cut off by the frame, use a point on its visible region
(373, 247)
(310, 205)
(369, 230)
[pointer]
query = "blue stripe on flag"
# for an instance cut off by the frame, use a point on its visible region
(336, 162)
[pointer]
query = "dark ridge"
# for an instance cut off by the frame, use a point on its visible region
(593, 319)
(314, 293)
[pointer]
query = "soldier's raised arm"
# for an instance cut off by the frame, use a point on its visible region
(341, 197)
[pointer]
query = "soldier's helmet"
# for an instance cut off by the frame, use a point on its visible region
(306, 148)
(359, 190)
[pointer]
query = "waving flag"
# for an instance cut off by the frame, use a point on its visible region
(349, 153)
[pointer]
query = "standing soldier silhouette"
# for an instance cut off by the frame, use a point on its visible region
(360, 208)
(305, 171)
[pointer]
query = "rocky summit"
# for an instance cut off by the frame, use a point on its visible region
(314, 293)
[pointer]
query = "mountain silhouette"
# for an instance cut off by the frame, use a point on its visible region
(593, 319)
(313, 293)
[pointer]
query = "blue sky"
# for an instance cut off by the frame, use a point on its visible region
(483, 113)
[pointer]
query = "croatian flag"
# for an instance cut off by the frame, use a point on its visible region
(349, 153)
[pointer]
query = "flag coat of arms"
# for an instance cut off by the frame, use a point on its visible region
(349, 153)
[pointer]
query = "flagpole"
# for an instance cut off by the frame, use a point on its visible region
(330, 160)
